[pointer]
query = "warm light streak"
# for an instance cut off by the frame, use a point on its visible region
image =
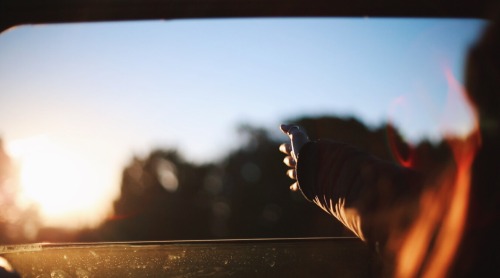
(459, 118)
(464, 152)
(443, 207)
(399, 103)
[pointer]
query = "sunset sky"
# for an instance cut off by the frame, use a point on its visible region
(77, 101)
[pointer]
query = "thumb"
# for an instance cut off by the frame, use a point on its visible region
(297, 136)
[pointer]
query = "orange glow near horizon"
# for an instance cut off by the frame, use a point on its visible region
(443, 206)
(63, 182)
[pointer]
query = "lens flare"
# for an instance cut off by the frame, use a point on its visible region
(429, 245)
(402, 151)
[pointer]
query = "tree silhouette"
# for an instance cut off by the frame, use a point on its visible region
(162, 197)
(246, 194)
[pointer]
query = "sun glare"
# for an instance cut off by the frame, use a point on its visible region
(62, 181)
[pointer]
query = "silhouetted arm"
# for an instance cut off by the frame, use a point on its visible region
(366, 194)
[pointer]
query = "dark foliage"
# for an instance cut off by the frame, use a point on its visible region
(245, 195)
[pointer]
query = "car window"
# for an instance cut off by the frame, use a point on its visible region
(167, 130)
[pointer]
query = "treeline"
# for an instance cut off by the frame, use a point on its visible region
(246, 195)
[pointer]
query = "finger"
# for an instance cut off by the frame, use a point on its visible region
(286, 148)
(294, 186)
(285, 128)
(289, 161)
(298, 138)
(296, 133)
(289, 129)
(294, 129)
(292, 174)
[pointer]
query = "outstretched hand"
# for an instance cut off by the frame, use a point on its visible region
(298, 138)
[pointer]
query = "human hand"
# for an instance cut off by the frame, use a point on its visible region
(298, 138)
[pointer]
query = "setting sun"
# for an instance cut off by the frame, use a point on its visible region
(62, 181)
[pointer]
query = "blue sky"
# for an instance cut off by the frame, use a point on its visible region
(112, 90)
(139, 76)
